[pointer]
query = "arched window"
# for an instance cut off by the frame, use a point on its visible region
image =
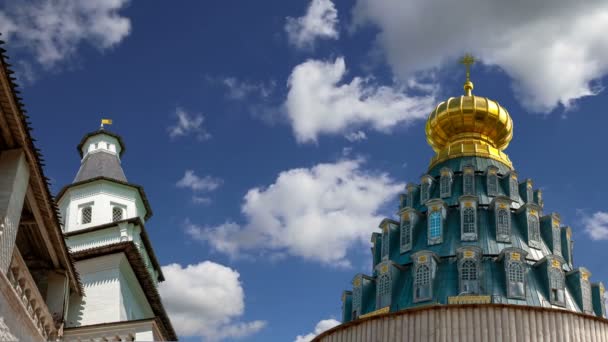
(556, 281)
(384, 291)
(116, 214)
(503, 223)
(424, 192)
(468, 221)
(515, 280)
(385, 243)
(445, 185)
(86, 215)
(422, 284)
(406, 235)
(529, 194)
(533, 231)
(492, 184)
(435, 225)
(469, 277)
(468, 182)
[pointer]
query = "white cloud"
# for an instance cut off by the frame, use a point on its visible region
(205, 300)
(199, 184)
(314, 213)
(355, 136)
(319, 22)
(317, 103)
(322, 326)
(188, 124)
(239, 89)
(196, 183)
(53, 30)
(554, 50)
(596, 225)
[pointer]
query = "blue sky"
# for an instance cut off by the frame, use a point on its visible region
(271, 137)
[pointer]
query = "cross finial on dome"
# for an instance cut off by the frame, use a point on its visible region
(468, 60)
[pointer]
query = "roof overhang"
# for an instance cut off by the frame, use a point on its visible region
(144, 236)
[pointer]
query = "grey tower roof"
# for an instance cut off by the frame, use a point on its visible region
(100, 164)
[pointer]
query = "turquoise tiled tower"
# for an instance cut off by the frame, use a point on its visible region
(472, 232)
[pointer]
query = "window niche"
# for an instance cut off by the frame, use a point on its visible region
(362, 285)
(555, 279)
(117, 214)
(384, 284)
(598, 298)
(445, 182)
(513, 186)
(529, 214)
(526, 191)
(426, 187)
(492, 181)
(538, 197)
(468, 180)
(389, 231)
(357, 297)
(468, 218)
(409, 218)
(551, 232)
(347, 306)
(86, 213)
(566, 234)
(501, 207)
(469, 270)
(516, 268)
(436, 215)
(412, 191)
(423, 274)
(579, 284)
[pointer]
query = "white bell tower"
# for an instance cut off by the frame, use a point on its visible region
(103, 221)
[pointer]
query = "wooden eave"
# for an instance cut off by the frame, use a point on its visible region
(144, 237)
(16, 133)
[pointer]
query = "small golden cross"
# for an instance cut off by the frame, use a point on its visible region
(468, 60)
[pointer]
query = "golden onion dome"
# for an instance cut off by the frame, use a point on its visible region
(469, 125)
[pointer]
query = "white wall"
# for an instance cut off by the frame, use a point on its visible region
(100, 278)
(111, 293)
(102, 195)
(134, 304)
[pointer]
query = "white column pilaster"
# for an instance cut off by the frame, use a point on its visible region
(14, 179)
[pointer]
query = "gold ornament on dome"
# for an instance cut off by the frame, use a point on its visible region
(469, 125)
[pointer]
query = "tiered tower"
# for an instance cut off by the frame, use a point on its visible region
(474, 254)
(103, 222)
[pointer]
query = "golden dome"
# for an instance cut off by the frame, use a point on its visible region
(469, 126)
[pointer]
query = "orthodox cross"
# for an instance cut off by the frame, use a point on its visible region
(468, 60)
